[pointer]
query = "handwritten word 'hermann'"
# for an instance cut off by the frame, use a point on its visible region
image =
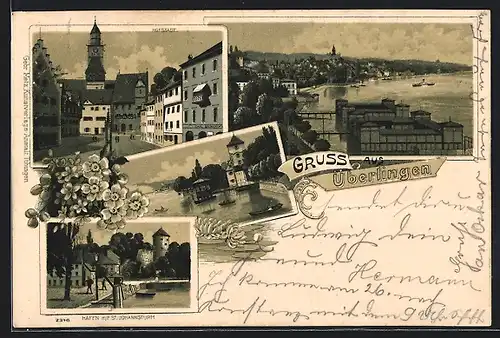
(363, 269)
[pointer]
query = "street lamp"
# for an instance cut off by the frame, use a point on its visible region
(96, 258)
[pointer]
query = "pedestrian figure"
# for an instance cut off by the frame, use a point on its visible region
(117, 139)
(104, 284)
(89, 285)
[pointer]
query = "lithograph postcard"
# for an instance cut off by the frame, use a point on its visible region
(251, 168)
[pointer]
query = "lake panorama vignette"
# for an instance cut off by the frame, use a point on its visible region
(128, 91)
(230, 177)
(145, 265)
(363, 88)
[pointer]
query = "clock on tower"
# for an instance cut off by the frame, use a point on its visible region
(95, 69)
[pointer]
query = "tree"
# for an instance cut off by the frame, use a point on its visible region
(181, 183)
(264, 107)
(159, 80)
(120, 245)
(144, 257)
(310, 136)
(184, 266)
(266, 87)
(245, 117)
(233, 96)
(281, 91)
(216, 175)
(61, 241)
(250, 95)
(302, 126)
(90, 240)
(321, 145)
(197, 170)
(168, 73)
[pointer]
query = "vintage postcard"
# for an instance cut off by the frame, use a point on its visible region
(151, 266)
(251, 168)
(132, 88)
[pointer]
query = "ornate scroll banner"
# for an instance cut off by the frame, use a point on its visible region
(314, 163)
(380, 174)
(333, 171)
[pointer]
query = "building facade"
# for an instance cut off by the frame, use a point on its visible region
(202, 94)
(389, 128)
(150, 121)
(96, 110)
(158, 137)
(71, 112)
(172, 113)
(236, 175)
(290, 85)
(144, 122)
(46, 100)
(129, 94)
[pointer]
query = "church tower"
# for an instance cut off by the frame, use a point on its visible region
(95, 75)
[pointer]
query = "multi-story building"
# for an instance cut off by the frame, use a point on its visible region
(389, 128)
(130, 93)
(46, 100)
(290, 85)
(236, 175)
(144, 122)
(150, 120)
(71, 111)
(159, 98)
(202, 94)
(172, 113)
(96, 107)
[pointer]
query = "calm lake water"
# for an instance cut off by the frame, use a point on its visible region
(449, 97)
(245, 202)
(177, 297)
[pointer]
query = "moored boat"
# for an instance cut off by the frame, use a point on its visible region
(145, 293)
(267, 209)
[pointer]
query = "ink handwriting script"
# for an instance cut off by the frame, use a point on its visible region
(399, 254)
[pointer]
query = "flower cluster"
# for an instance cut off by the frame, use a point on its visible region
(97, 188)
(213, 229)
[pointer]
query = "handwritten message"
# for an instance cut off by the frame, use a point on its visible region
(408, 253)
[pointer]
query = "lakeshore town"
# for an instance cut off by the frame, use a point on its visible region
(306, 96)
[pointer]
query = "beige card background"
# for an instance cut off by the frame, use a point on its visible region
(348, 267)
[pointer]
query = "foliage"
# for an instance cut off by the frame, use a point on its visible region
(182, 183)
(302, 126)
(216, 175)
(321, 145)
(250, 95)
(213, 229)
(310, 136)
(244, 117)
(261, 154)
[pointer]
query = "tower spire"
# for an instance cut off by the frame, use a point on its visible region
(95, 20)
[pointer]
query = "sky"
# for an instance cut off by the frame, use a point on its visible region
(179, 231)
(171, 162)
(424, 41)
(127, 52)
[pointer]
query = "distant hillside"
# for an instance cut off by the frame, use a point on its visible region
(273, 57)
